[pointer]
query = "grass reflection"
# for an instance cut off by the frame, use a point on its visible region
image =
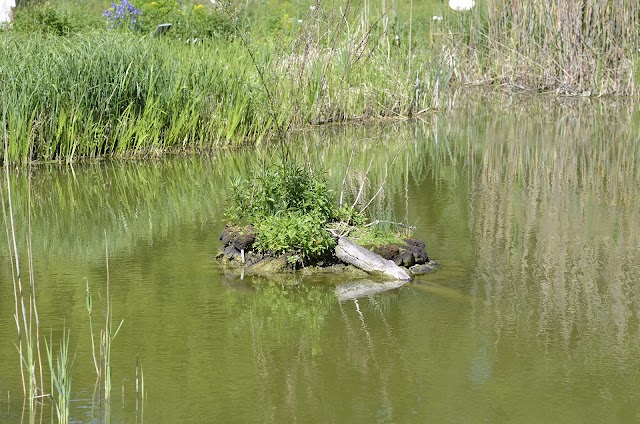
(555, 218)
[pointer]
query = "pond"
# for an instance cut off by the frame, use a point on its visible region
(530, 206)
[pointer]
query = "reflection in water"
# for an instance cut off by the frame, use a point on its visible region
(532, 209)
(555, 221)
(555, 202)
(284, 324)
(365, 288)
(309, 350)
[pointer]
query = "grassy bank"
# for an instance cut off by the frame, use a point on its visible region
(247, 73)
(102, 93)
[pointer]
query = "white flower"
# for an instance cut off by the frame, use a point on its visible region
(437, 18)
(462, 4)
(312, 7)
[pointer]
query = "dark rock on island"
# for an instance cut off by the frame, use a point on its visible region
(410, 253)
(237, 244)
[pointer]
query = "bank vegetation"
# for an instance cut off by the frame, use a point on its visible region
(80, 82)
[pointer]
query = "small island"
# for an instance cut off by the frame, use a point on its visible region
(285, 218)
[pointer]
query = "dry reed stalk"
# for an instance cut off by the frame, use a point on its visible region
(572, 47)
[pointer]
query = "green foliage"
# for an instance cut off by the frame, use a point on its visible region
(61, 376)
(100, 93)
(296, 232)
(190, 20)
(375, 235)
(112, 93)
(47, 19)
(350, 216)
(290, 206)
(281, 188)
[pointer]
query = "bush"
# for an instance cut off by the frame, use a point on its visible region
(47, 19)
(282, 188)
(290, 207)
(303, 234)
(190, 21)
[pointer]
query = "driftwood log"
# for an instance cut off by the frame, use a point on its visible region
(362, 258)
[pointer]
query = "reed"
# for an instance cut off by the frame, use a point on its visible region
(105, 93)
(61, 376)
(570, 47)
(102, 355)
(28, 345)
(140, 393)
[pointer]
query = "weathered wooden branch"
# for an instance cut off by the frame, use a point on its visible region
(366, 260)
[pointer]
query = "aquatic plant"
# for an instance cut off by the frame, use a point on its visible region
(304, 235)
(61, 376)
(290, 207)
(28, 345)
(115, 93)
(102, 358)
(294, 211)
(281, 188)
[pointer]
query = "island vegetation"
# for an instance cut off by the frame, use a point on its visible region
(287, 217)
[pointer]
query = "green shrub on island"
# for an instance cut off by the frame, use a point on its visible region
(303, 234)
(289, 206)
(279, 188)
(292, 210)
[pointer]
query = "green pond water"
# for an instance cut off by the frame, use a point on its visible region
(531, 208)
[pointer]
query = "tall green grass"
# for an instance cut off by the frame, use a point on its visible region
(105, 94)
(585, 47)
(113, 94)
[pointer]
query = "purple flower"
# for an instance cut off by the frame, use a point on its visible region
(121, 13)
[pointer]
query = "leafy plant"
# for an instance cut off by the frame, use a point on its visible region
(303, 234)
(190, 21)
(45, 19)
(290, 207)
(281, 188)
